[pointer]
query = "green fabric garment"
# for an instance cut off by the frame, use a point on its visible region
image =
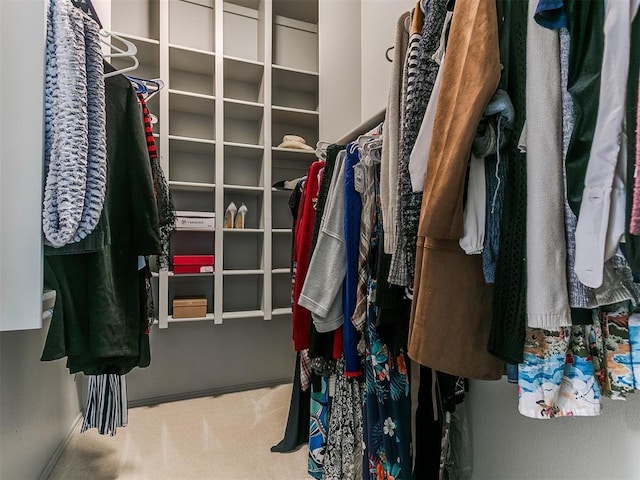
(99, 321)
(586, 29)
(506, 337)
(632, 248)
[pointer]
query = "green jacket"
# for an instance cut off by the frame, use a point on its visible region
(99, 320)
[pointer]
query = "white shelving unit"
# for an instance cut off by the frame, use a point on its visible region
(239, 75)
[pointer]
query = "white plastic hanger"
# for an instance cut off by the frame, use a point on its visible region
(321, 149)
(130, 52)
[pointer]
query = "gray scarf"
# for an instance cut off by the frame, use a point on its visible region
(75, 126)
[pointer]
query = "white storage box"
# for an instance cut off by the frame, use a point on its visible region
(195, 220)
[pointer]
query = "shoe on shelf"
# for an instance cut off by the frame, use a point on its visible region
(230, 215)
(242, 212)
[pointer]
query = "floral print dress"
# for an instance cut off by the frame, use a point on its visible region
(387, 403)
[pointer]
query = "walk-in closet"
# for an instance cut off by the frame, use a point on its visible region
(327, 239)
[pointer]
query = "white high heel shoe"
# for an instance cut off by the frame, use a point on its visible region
(230, 215)
(240, 216)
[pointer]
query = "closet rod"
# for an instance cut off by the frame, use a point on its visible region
(363, 128)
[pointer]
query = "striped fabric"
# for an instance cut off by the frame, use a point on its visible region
(399, 273)
(106, 404)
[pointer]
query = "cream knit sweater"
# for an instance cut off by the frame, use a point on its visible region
(389, 166)
(547, 295)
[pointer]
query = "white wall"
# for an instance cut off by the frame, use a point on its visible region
(379, 18)
(339, 54)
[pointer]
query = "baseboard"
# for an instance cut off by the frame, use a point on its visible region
(207, 393)
(48, 468)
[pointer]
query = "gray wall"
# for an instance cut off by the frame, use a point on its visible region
(38, 405)
(507, 445)
(199, 356)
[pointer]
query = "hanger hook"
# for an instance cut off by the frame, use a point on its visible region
(386, 54)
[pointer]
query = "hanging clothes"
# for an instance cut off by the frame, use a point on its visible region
(393, 132)
(422, 71)
(547, 297)
(318, 426)
(471, 76)
(164, 199)
(601, 222)
(352, 211)
(99, 322)
(75, 156)
(302, 255)
(632, 241)
(387, 424)
(509, 320)
(343, 457)
(324, 347)
(585, 21)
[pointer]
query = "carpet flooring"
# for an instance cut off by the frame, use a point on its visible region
(220, 437)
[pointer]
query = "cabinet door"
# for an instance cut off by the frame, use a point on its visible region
(21, 155)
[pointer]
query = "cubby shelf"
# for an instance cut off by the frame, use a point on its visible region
(206, 318)
(191, 185)
(242, 272)
(189, 66)
(148, 55)
(137, 39)
(180, 275)
(193, 103)
(192, 139)
(295, 116)
(279, 271)
(238, 75)
(243, 110)
(243, 230)
(243, 145)
(243, 314)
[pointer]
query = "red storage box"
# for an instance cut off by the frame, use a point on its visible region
(193, 264)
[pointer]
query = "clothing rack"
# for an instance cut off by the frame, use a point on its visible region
(363, 128)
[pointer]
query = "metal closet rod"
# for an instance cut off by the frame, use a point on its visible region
(363, 128)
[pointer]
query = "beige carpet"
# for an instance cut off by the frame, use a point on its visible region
(224, 437)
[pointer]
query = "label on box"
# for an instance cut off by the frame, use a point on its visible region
(186, 223)
(206, 269)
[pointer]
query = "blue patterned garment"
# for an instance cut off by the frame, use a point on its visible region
(318, 427)
(387, 405)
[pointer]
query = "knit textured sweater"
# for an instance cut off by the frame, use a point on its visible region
(506, 339)
(547, 298)
(75, 139)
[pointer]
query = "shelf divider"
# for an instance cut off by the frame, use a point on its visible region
(219, 127)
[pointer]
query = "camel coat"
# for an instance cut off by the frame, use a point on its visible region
(451, 309)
